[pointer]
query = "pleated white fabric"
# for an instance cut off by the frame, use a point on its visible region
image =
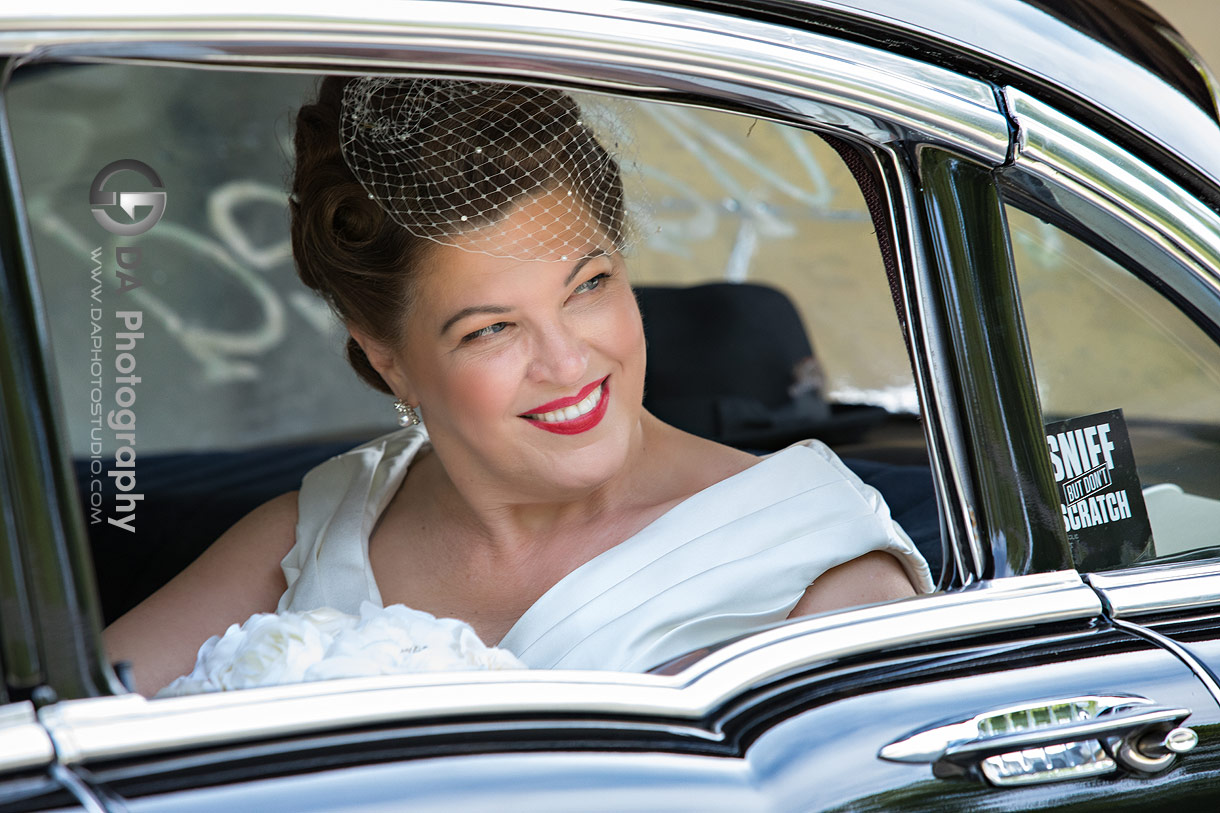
(735, 556)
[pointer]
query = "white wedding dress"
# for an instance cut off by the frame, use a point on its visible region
(737, 555)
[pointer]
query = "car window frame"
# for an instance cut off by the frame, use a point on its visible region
(1122, 206)
(52, 639)
(1017, 524)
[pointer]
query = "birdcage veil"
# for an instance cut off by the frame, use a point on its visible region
(448, 159)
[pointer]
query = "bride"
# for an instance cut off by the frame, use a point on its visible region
(470, 236)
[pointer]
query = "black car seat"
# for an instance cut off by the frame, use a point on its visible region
(732, 362)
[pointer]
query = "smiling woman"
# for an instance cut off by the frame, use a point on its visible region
(471, 237)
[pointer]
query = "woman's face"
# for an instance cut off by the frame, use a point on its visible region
(528, 373)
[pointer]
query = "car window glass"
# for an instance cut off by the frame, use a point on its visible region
(236, 383)
(742, 199)
(1103, 339)
(735, 199)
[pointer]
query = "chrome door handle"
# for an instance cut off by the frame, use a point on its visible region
(1122, 731)
(1051, 741)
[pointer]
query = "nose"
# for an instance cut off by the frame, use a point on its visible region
(561, 356)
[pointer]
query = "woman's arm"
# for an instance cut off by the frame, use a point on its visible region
(876, 576)
(238, 576)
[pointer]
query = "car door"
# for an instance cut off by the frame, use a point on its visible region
(1117, 267)
(974, 231)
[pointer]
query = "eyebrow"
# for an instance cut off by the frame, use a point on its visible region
(593, 255)
(475, 310)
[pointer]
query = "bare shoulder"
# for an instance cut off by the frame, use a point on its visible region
(260, 539)
(247, 556)
(237, 576)
(271, 525)
(874, 577)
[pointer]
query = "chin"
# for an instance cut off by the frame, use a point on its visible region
(593, 466)
(589, 465)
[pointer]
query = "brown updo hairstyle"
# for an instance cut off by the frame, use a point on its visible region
(363, 263)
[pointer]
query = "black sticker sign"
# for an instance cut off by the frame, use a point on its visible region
(1099, 490)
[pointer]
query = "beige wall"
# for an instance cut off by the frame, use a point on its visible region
(1198, 21)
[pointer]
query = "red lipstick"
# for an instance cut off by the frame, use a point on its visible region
(577, 425)
(561, 403)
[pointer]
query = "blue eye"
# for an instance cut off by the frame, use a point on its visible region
(485, 331)
(590, 284)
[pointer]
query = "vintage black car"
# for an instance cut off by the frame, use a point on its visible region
(994, 230)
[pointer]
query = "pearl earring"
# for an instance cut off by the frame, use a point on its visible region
(407, 414)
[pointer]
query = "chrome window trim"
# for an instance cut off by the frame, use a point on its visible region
(1077, 160)
(24, 743)
(1020, 35)
(935, 388)
(1157, 588)
(771, 69)
(112, 727)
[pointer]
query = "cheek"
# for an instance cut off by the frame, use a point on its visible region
(626, 332)
(479, 387)
(457, 389)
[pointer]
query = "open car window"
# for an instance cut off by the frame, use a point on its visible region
(1104, 340)
(199, 378)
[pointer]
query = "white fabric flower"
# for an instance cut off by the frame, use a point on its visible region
(272, 649)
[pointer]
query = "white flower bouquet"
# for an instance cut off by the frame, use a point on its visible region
(272, 649)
